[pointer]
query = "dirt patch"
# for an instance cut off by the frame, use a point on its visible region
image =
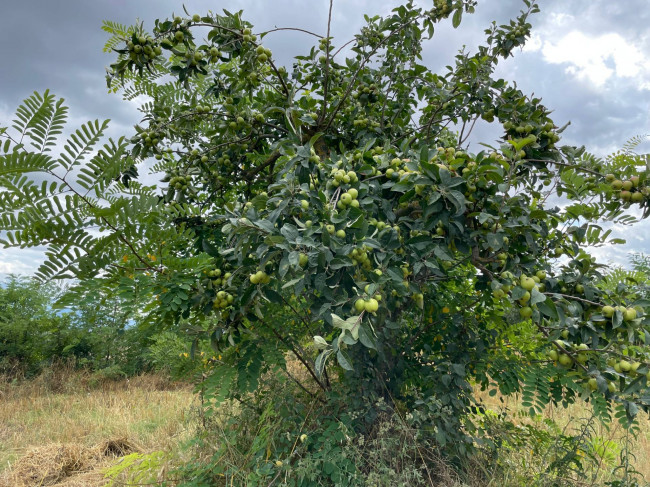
(66, 465)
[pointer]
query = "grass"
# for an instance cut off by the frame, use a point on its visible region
(70, 409)
(65, 407)
(607, 440)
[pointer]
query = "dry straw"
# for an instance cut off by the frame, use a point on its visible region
(66, 464)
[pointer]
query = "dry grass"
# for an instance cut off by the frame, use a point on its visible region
(612, 437)
(58, 425)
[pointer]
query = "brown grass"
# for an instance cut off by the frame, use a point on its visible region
(612, 436)
(61, 428)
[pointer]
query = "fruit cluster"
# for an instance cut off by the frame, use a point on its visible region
(629, 314)
(180, 183)
(370, 305)
(219, 278)
(360, 257)
(260, 277)
(142, 49)
(628, 190)
(224, 299)
(340, 176)
(263, 54)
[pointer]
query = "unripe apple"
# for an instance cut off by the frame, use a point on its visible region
(527, 283)
(541, 274)
(565, 360)
(580, 288)
(629, 314)
(304, 204)
(627, 185)
(330, 229)
(346, 198)
(526, 312)
(353, 193)
(340, 233)
(360, 305)
(617, 184)
(553, 355)
(303, 260)
(608, 311)
(625, 365)
(371, 305)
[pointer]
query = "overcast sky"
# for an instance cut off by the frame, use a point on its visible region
(588, 59)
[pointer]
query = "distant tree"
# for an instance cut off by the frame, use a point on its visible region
(31, 332)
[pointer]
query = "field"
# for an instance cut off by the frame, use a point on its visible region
(64, 429)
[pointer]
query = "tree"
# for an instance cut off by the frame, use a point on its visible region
(32, 333)
(330, 210)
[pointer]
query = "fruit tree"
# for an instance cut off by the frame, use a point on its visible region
(331, 210)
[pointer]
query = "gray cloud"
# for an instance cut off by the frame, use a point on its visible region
(58, 45)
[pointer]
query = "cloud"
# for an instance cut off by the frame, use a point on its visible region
(20, 261)
(595, 58)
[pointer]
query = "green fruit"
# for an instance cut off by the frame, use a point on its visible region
(346, 198)
(526, 312)
(353, 193)
(580, 288)
(179, 36)
(617, 184)
(629, 314)
(303, 260)
(304, 204)
(553, 355)
(372, 305)
(565, 360)
(625, 365)
(611, 387)
(330, 229)
(527, 283)
(627, 185)
(608, 311)
(360, 305)
(593, 384)
(541, 275)
(340, 233)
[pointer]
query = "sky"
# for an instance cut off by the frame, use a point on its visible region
(589, 60)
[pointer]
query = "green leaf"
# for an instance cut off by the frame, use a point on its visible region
(458, 15)
(343, 361)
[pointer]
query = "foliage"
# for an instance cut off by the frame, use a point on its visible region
(31, 332)
(329, 211)
(40, 324)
